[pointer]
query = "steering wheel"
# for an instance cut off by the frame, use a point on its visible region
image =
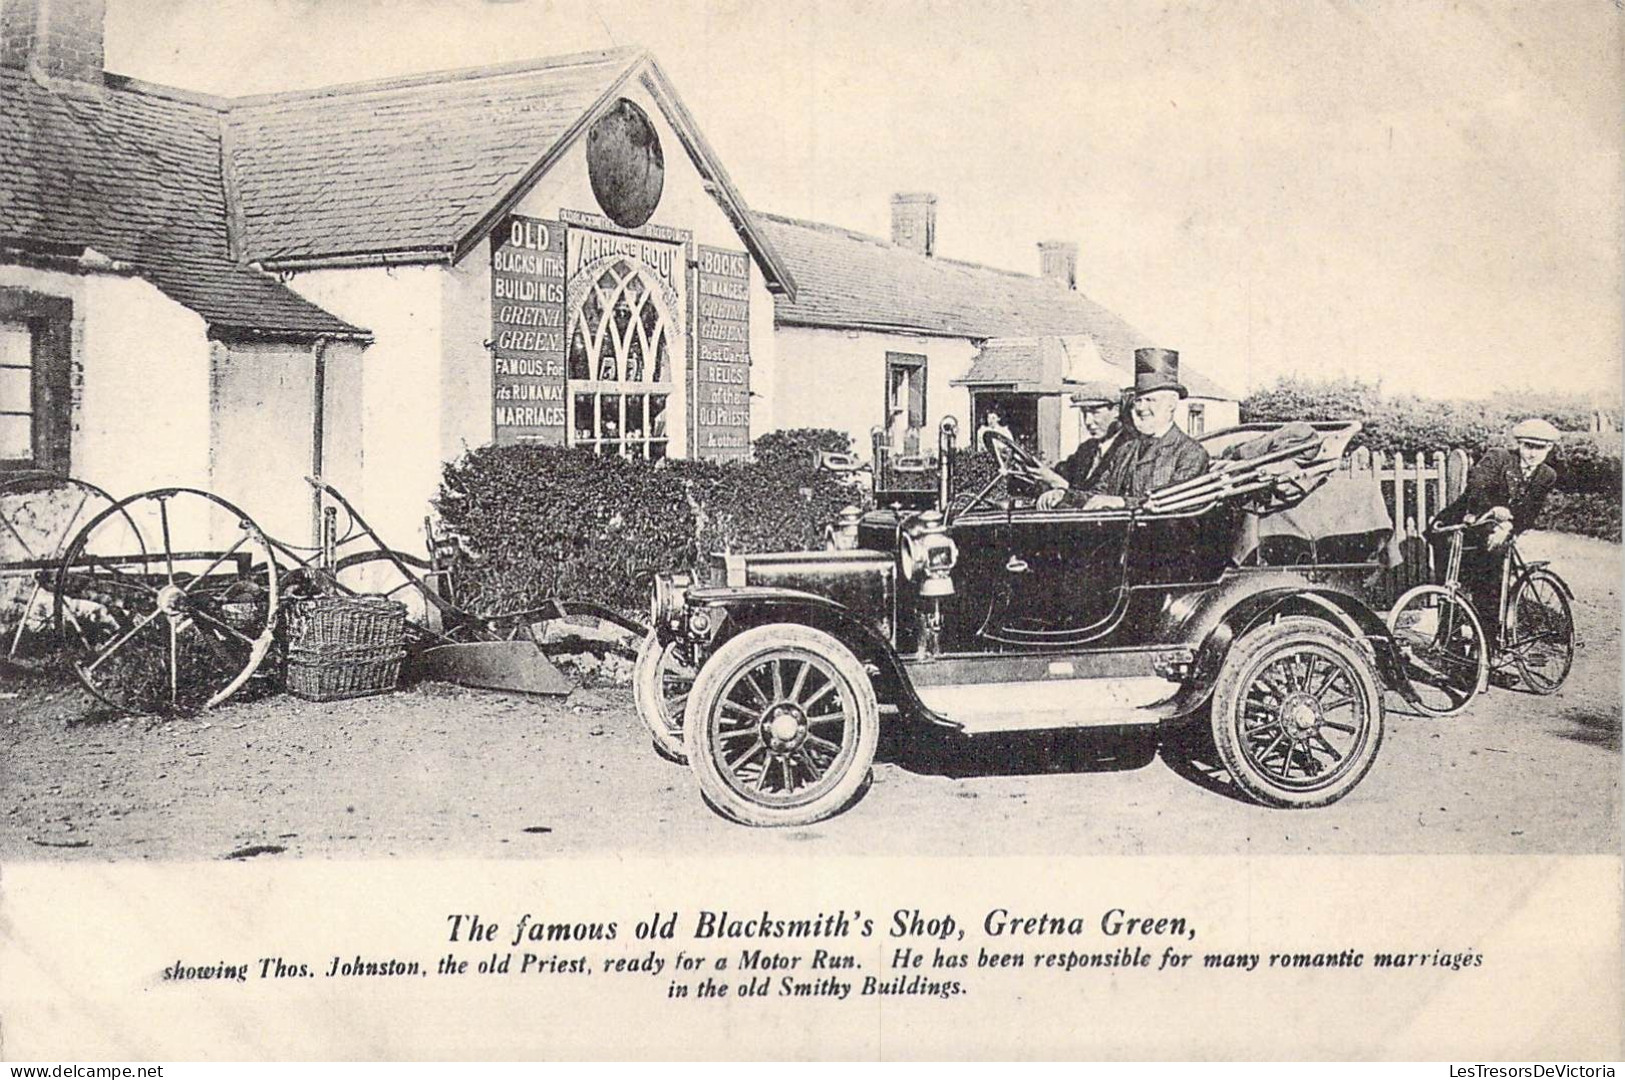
(1016, 461)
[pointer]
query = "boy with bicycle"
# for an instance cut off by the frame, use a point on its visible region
(1505, 492)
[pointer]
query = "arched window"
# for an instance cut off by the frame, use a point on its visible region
(619, 363)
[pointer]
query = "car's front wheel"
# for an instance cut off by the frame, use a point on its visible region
(661, 682)
(1297, 713)
(781, 726)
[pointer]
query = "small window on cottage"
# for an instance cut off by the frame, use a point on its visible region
(905, 402)
(618, 366)
(34, 382)
(16, 392)
(1195, 420)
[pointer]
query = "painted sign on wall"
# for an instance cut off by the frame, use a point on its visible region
(722, 363)
(527, 331)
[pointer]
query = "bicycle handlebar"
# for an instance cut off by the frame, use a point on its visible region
(1481, 523)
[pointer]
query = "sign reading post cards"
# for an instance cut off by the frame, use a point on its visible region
(527, 331)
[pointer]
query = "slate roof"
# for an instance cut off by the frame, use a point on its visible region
(1065, 363)
(134, 173)
(849, 280)
(405, 165)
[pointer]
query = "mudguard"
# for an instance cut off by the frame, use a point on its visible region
(744, 607)
(1224, 627)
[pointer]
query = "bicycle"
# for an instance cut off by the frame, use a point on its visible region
(1448, 655)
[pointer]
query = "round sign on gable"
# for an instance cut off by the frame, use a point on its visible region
(625, 165)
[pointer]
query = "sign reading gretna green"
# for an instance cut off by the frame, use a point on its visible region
(527, 331)
(722, 363)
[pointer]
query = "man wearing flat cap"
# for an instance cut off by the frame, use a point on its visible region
(1507, 488)
(1104, 416)
(1157, 453)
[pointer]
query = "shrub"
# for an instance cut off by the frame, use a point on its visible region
(798, 446)
(1408, 423)
(1588, 493)
(552, 521)
(1588, 464)
(1583, 513)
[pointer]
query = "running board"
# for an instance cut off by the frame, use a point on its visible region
(1052, 704)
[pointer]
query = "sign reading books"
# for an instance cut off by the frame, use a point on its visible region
(722, 364)
(527, 331)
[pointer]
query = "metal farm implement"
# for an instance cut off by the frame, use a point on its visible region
(168, 601)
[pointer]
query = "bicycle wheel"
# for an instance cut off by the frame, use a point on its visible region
(1442, 645)
(1540, 631)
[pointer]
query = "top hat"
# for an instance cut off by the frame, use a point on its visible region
(1156, 369)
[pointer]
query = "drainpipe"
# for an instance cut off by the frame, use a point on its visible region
(317, 425)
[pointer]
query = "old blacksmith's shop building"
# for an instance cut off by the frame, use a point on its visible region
(367, 280)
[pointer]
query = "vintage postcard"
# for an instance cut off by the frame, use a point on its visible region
(845, 530)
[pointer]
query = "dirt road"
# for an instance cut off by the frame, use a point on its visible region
(438, 771)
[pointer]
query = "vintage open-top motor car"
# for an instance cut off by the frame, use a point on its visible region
(1238, 596)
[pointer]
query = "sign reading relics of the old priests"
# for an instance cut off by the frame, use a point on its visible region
(722, 366)
(527, 331)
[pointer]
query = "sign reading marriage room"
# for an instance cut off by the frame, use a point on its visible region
(722, 368)
(527, 331)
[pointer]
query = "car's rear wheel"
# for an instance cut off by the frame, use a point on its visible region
(781, 726)
(1297, 713)
(661, 683)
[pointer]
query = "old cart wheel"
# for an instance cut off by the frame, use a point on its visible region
(781, 726)
(1442, 645)
(661, 682)
(1297, 714)
(39, 517)
(181, 622)
(1540, 631)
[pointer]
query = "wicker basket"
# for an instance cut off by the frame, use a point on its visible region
(344, 646)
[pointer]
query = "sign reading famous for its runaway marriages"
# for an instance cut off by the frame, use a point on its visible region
(722, 363)
(527, 331)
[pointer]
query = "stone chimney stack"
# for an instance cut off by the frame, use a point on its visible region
(1058, 262)
(914, 221)
(54, 39)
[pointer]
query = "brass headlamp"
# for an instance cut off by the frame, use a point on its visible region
(930, 554)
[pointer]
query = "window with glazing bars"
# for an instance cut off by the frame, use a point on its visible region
(619, 365)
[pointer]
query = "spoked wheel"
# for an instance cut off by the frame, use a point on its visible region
(177, 620)
(781, 726)
(1442, 645)
(1297, 714)
(39, 517)
(1540, 631)
(661, 683)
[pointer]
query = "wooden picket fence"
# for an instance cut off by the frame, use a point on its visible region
(1415, 486)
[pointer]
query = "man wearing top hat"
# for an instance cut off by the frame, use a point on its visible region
(1158, 453)
(1508, 489)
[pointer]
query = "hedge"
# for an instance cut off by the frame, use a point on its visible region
(551, 521)
(1408, 423)
(1582, 513)
(1587, 499)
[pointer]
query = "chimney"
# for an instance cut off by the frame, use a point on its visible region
(914, 221)
(1058, 262)
(53, 39)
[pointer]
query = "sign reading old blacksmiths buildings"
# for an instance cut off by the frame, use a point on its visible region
(527, 331)
(722, 366)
